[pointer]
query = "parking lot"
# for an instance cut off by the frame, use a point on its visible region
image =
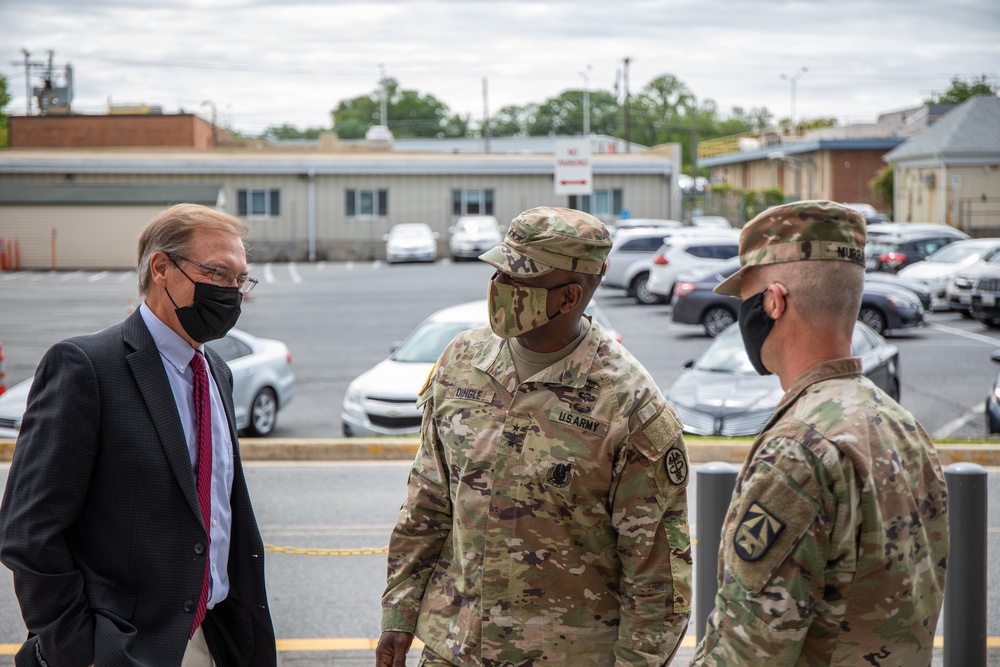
(339, 319)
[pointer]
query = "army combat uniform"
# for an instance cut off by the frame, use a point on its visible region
(833, 550)
(546, 520)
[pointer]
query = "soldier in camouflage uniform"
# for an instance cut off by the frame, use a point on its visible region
(546, 517)
(834, 546)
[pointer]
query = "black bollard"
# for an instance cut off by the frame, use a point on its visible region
(965, 579)
(715, 481)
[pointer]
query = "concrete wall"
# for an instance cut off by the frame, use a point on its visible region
(75, 237)
(423, 198)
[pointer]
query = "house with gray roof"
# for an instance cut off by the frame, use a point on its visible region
(950, 173)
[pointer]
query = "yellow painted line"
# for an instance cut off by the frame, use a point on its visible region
(362, 644)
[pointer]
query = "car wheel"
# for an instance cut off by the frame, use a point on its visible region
(716, 319)
(640, 289)
(348, 433)
(873, 318)
(263, 413)
(894, 390)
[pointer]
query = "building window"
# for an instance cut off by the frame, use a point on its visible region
(258, 203)
(472, 202)
(366, 203)
(605, 203)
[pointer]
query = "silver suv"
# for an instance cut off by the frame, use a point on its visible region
(630, 259)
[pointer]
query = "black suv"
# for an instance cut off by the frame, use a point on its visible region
(893, 245)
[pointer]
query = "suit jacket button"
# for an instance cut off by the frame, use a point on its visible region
(188, 606)
(199, 548)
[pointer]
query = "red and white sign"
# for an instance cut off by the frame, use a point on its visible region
(574, 173)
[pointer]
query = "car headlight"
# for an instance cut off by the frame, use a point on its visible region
(352, 399)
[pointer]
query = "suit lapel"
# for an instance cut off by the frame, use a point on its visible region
(147, 368)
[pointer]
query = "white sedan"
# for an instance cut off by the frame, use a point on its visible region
(383, 400)
(411, 242)
(263, 383)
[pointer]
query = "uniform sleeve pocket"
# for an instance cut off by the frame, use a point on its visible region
(650, 609)
(770, 521)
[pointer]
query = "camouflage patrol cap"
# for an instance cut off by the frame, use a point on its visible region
(803, 230)
(545, 238)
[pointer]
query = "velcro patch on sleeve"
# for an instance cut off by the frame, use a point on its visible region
(658, 434)
(771, 519)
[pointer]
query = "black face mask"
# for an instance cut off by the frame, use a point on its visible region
(755, 325)
(212, 314)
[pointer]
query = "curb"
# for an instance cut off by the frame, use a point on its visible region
(700, 450)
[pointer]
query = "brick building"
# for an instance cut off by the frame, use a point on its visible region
(114, 131)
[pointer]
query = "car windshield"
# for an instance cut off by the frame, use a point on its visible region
(726, 354)
(955, 252)
(404, 232)
(476, 226)
(427, 343)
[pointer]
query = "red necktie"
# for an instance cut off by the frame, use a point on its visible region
(203, 471)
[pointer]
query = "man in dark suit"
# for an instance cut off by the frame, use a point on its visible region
(126, 519)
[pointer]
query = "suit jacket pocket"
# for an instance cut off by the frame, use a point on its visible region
(105, 598)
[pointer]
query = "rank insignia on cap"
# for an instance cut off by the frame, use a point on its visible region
(756, 533)
(677, 466)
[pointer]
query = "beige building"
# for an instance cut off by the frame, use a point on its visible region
(951, 173)
(302, 203)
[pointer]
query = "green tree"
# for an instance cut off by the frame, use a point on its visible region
(4, 101)
(961, 90)
(512, 120)
(563, 115)
(410, 114)
(289, 132)
(883, 185)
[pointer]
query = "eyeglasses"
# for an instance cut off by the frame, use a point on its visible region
(220, 277)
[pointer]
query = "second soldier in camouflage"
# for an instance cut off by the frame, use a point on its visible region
(546, 518)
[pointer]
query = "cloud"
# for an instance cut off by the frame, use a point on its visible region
(266, 62)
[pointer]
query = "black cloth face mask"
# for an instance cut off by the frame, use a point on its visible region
(213, 312)
(755, 325)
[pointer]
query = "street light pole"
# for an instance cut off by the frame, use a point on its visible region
(794, 79)
(586, 101)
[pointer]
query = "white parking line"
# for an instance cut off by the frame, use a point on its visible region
(349, 266)
(958, 422)
(268, 273)
(965, 334)
(70, 276)
(321, 266)
(294, 273)
(125, 276)
(97, 276)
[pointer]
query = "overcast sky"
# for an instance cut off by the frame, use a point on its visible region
(264, 62)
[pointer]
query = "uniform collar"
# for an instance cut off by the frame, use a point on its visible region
(828, 370)
(495, 360)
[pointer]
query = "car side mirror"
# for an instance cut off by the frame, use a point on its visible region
(995, 357)
(689, 364)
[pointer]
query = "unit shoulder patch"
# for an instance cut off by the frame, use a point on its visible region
(677, 465)
(757, 531)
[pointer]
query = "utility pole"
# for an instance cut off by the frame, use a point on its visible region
(794, 79)
(628, 124)
(586, 101)
(694, 138)
(383, 94)
(486, 118)
(215, 126)
(27, 76)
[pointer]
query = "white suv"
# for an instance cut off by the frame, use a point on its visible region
(682, 251)
(630, 259)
